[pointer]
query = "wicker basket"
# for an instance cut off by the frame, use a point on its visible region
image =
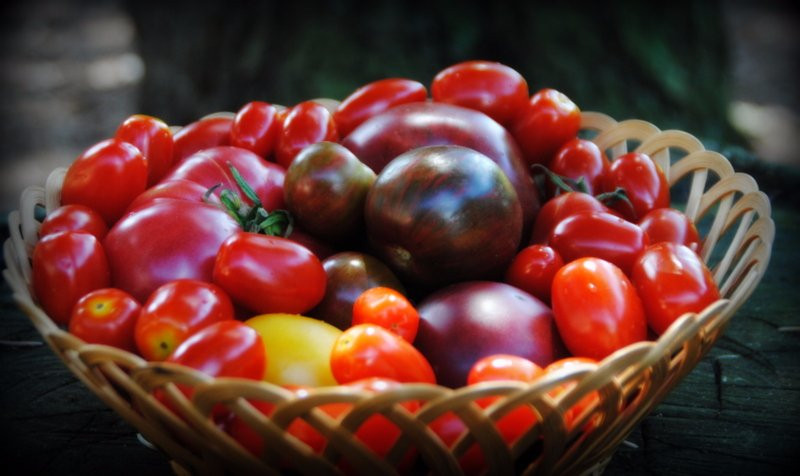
(734, 218)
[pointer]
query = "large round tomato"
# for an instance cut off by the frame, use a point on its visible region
(374, 98)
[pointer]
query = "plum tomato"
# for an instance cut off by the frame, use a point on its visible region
(153, 139)
(532, 270)
(546, 123)
(255, 128)
(560, 207)
(74, 218)
(66, 266)
(175, 311)
(503, 367)
(495, 89)
(582, 161)
(389, 309)
(643, 181)
(106, 178)
(374, 98)
(106, 316)
(596, 308)
(200, 135)
(575, 411)
(305, 124)
(669, 224)
(672, 280)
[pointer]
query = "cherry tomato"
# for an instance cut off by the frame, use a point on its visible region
(106, 178)
(546, 123)
(66, 266)
(560, 207)
(503, 367)
(374, 98)
(668, 224)
(580, 159)
(532, 270)
(106, 316)
(574, 412)
(596, 308)
(268, 274)
(74, 218)
(255, 128)
(153, 139)
(643, 181)
(388, 309)
(495, 89)
(201, 135)
(672, 280)
(305, 124)
(367, 350)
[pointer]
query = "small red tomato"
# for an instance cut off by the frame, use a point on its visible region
(255, 128)
(589, 400)
(546, 123)
(175, 311)
(560, 207)
(367, 350)
(153, 139)
(374, 98)
(580, 160)
(106, 316)
(268, 274)
(672, 280)
(532, 270)
(66, 266)
(596, 308)
(74, 218)
(643, 181)
(495, 89)
(503, 367)
(200, 135)
(106, 178)
(389, 309)
(305, 124)
(668, 224)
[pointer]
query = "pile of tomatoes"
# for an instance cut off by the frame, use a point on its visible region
(355, 242)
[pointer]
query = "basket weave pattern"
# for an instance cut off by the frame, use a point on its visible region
(630, 383)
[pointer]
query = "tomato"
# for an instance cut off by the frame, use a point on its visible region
(575, 411)
(672, 280)
(560, 207)
(368, 350)
(180, 189)
(546, 123)
(267, 274)
(580, 160)
(74, 218)
(298, 348)
(200, 135)
(106, 316)
(153, 139)
(492, 88)
(106, 178)
(643, 181)
(502, 367)
(388, 309)
(374, 98)
(66, 266)
(305, 124)
(255, 128)
(175, 311)
(596, 308)
(224, 349)
(532, 270)
(599, 234)
(668, 224)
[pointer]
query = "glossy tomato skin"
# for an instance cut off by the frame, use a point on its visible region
(268, 274)
(175, 311)
(503, 367)
(643, 181)
(177, 189)
(305, 124)
(547, 122)
(375, 98)
(106, 316)
(389, 309)
(560, 207)
(200, 135)
(495, 89)
(66, 266)
(672, 280)
(669, 224)
(575, 411)
(581, 159)
(74, 218)
(153, 139)
(255, 128)
(533, 269)
(596, 308)
(106, 178)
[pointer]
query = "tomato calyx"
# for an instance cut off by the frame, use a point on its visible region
(566, 184)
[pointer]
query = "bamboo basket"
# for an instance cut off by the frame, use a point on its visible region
(734, 218)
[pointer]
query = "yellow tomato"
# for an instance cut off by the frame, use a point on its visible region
(298, 348)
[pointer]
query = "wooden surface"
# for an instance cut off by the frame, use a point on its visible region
(736, 413)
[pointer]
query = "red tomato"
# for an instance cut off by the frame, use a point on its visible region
(643, 181)
(574, 412)
(668, 224)
(546, 123)
(532, 270)
(255, 128)
(596, 308)
(492, 88)
(175, 311)
(179, 189)
(305, 124)
(74, 218)
(153, 139)
(268, 274)
(599, 234)
(672, 280)
(560, 207)
(367, 350)
(374, 98)
(66, 266)
(106, 316)
(201, 135)
(580, 159)
(503, 367)
(389, 309)
(106, 178)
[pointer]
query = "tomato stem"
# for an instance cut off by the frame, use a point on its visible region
(618, 195)
(565, 184)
